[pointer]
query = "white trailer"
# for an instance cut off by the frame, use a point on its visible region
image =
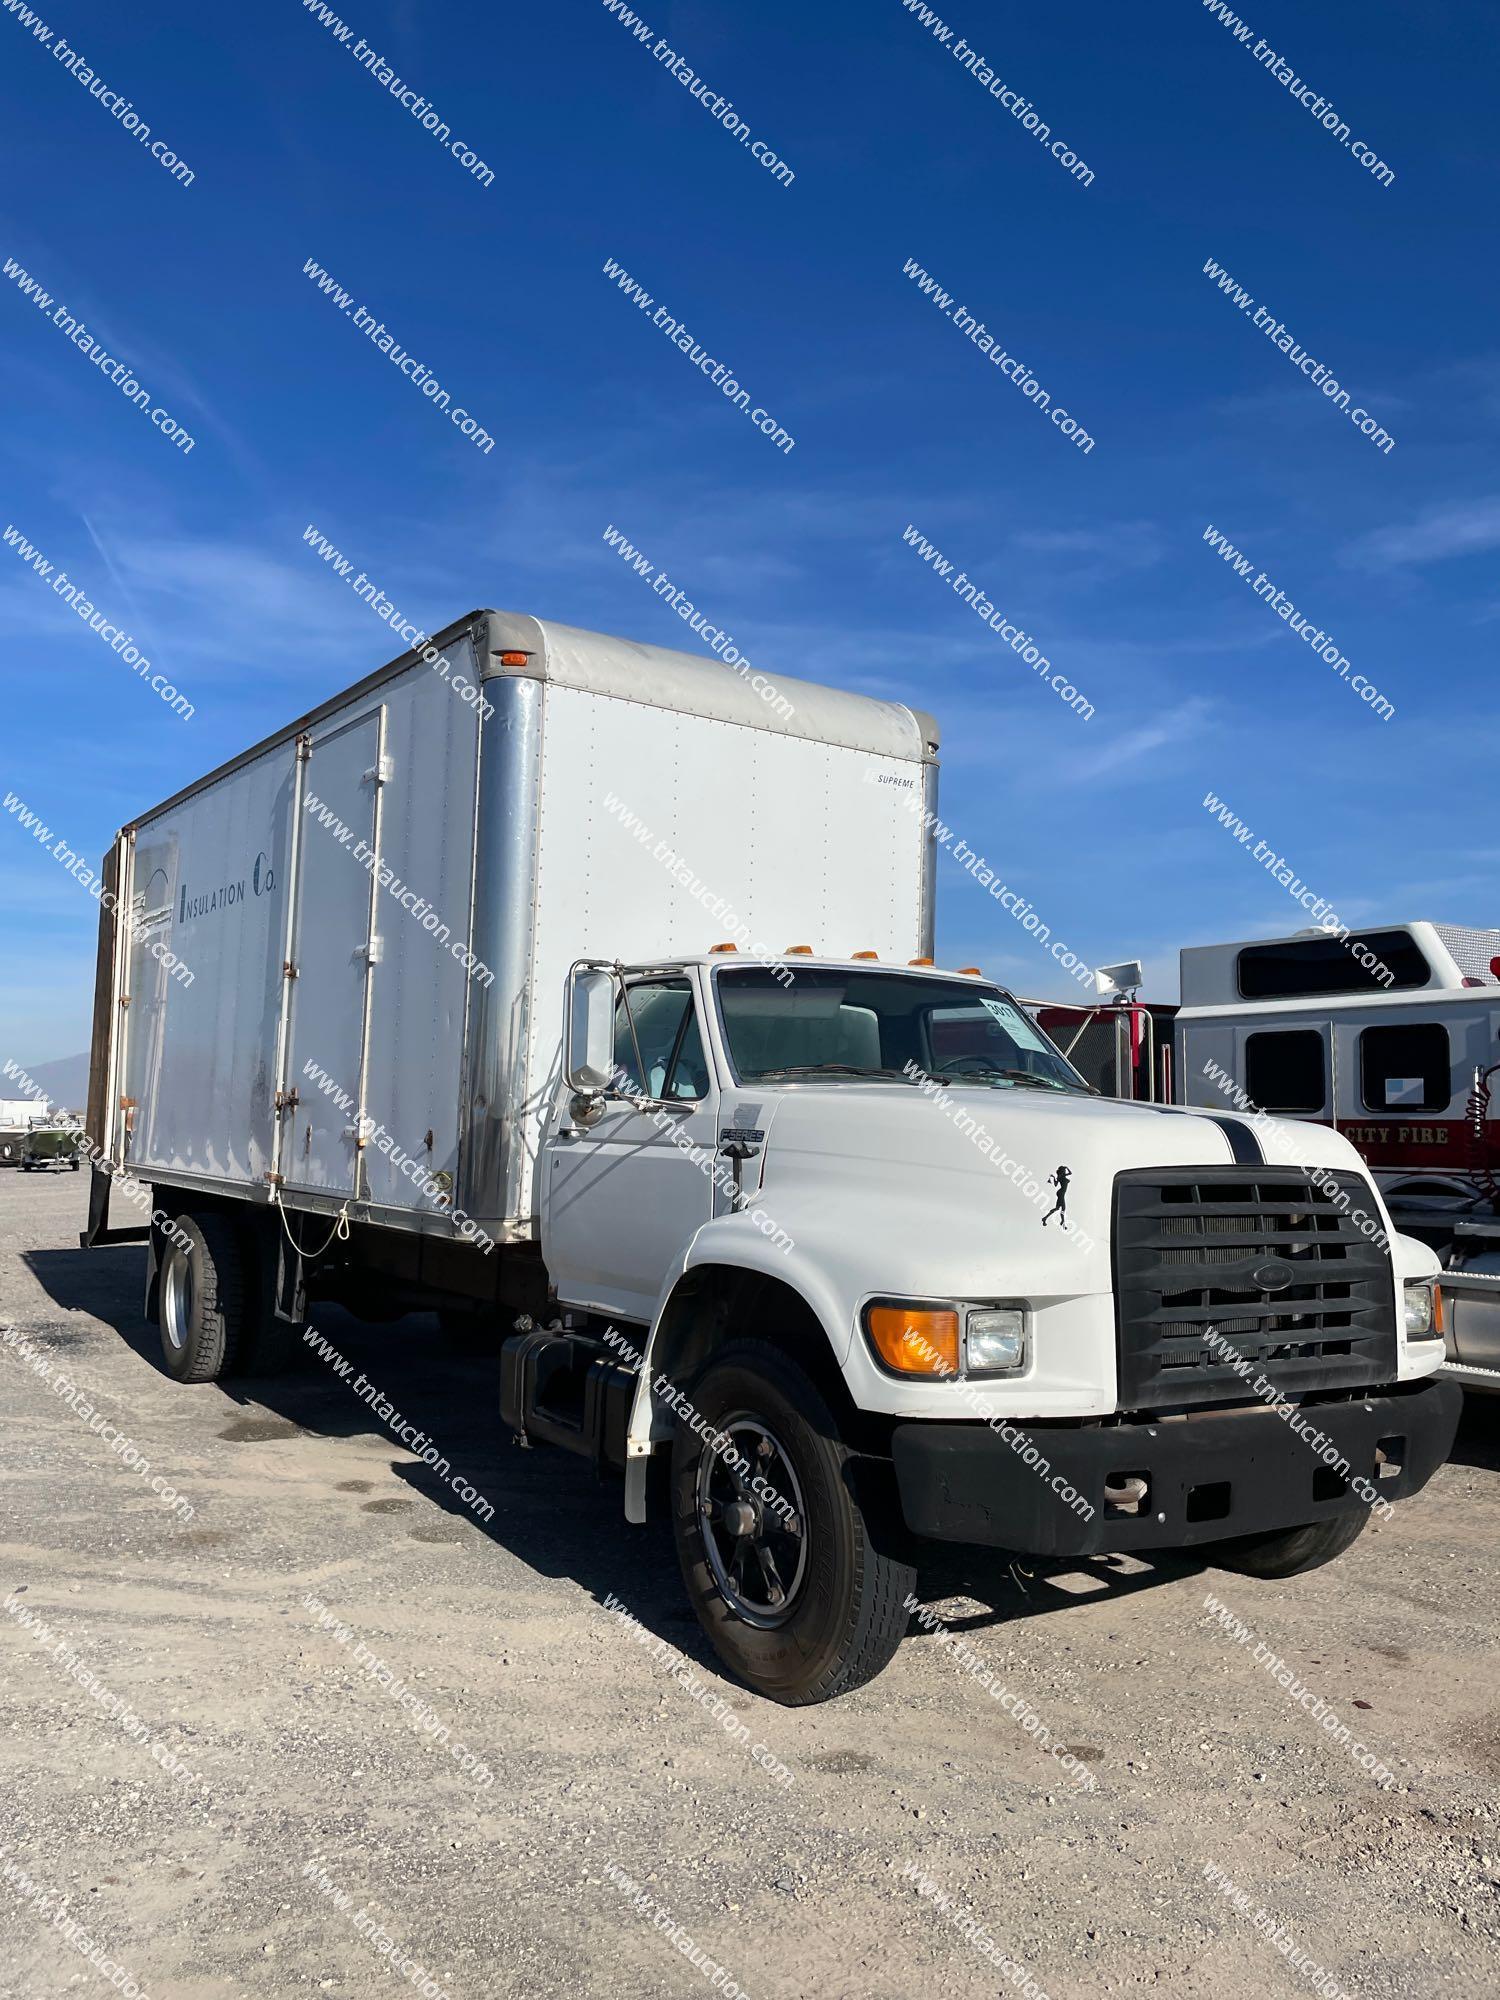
(567, 982)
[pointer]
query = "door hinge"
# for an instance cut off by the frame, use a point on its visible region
(274, 1180)
(287, 1100)
(304, 749)
(379, 772)
(372, 952)
(288, 969)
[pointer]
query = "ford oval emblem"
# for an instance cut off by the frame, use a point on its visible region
(1273, 1277)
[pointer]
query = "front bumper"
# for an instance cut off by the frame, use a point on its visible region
(1209, 1476)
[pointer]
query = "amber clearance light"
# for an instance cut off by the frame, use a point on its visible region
(914, 1340)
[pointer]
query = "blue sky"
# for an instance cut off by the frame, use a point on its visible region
(899, 153)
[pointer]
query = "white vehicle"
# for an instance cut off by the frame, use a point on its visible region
(824, 1254)
(1392, 1037)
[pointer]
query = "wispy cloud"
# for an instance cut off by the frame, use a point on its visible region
(1468, 527)
(1133, 746)
(1094, 555)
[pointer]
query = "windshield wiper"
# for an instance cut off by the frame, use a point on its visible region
(827, 1069)
(1033, 1077)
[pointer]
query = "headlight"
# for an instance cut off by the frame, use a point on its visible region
(995, 1341)
(1424, 1310)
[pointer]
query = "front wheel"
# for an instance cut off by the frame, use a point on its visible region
(790, 1566)
(1290, 1551)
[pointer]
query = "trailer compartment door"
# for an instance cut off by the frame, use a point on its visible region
(333, 952)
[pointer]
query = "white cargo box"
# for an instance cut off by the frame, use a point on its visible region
(373, 912)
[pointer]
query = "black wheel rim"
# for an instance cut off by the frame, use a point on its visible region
(753, 1521)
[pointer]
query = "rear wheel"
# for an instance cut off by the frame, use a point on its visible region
(203, 1298)
(794, 1571)
(1290, 1551)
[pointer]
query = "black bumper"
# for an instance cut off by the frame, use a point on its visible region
(1209, 1476)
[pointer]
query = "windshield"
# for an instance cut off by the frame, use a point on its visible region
(833, 1023)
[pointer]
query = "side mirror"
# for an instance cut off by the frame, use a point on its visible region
(591, 1031)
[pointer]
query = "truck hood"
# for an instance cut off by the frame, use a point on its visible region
(971, 1173)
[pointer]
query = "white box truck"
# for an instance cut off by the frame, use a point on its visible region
(558, 980)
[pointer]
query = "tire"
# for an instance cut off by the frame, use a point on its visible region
(842, 1574)
(203, 1299)
(1290, 1551)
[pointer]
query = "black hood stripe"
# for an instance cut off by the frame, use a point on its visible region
(1245, 1148)
(1244, 1141)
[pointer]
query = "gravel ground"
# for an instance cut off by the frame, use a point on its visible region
(184, 1744)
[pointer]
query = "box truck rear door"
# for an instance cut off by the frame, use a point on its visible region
(332, 929)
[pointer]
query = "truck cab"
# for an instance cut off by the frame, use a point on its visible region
(847, 1255)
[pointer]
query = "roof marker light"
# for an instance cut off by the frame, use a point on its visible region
(514, 659)
(798, 951)
(970, 972)
(864, 954)
(919, 961)
(713, 948)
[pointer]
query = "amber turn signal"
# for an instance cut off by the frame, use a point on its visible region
(915, 1340)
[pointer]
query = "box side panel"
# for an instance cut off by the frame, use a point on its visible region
(333, 898)
(200, 1035)
(661, 833)
(213, 874)
(419, 987)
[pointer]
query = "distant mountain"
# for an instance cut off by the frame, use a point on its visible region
(65, 1081)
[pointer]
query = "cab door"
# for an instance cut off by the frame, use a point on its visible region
(623, 1198)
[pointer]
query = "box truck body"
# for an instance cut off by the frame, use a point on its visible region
(378, 906)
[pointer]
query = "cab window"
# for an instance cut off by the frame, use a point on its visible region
(666, 1034)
